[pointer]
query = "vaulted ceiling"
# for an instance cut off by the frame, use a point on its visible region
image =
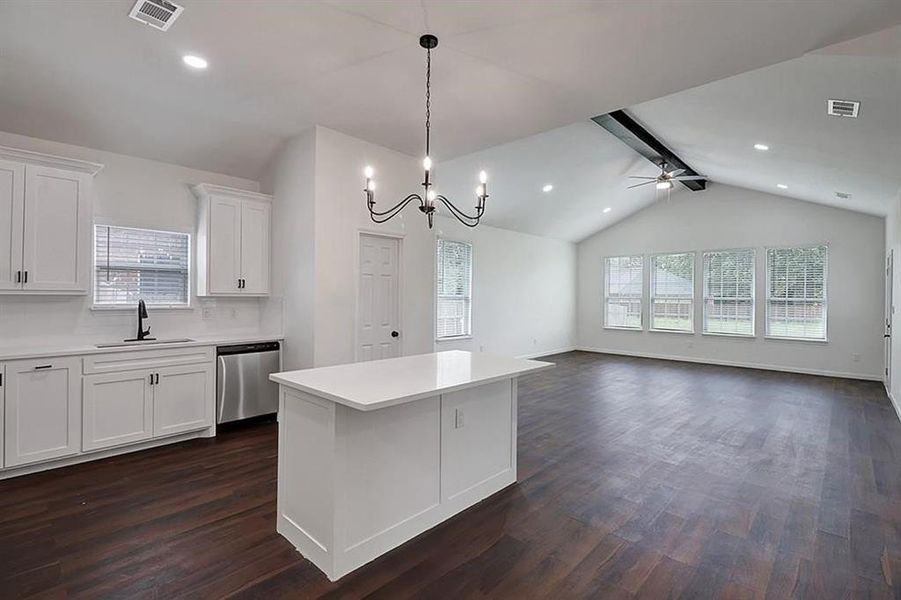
(714, 128)
(82, 72)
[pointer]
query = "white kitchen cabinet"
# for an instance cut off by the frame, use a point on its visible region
(12, 210)
(181, 399)
(255, 224)
(42, 411)
(2, 404)
(45, 223)
(233, 242)
(117, 409)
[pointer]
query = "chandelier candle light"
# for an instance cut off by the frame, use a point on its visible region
(427, 202)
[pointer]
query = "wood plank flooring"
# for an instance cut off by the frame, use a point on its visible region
(638, 479)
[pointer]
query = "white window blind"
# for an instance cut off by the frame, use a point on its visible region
(140, 264)
(729, 292)
(454, 293)
(622, 291)
(672, 291)
(796, 292)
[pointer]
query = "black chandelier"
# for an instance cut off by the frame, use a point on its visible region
(428, 200)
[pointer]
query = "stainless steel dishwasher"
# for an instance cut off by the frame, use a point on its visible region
(243, 388)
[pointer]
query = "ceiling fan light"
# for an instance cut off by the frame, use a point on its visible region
(664, 185)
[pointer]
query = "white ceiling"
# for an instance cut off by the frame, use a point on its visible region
(715, 126)
(81, 72)
(587, 166)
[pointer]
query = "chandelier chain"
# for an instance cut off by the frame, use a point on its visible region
(428, 98)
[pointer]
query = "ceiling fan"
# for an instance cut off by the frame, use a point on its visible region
(665, 180)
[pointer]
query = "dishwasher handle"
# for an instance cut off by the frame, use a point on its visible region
(248, 348)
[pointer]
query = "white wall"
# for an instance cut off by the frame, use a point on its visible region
(728, 217)
(131, 192)
(507, 314)
(523, 291)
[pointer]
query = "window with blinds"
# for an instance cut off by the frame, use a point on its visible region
(622, 291)
(454, 293)
(140, 264)
(672, 291)
(729, 292)
(796, 292)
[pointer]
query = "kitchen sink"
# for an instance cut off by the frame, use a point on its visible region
(145, 343)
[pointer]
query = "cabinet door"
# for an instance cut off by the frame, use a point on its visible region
(57, 230)
(2, 403)
(43, 410)
(12, 220)
(183, 399)
(224, 245)
(117, 409)
(255, 247)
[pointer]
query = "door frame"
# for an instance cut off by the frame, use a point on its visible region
(361, 231)
(888, 317)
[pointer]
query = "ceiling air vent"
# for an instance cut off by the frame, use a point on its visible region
(156, 13)
(843, 195)
(842, 108)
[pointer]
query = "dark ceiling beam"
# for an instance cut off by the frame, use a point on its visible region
(634, 135)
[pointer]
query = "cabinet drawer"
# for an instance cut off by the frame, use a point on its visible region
(147, 359)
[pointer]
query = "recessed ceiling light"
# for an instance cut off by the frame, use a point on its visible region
(606, 210)
(195, 62)
(781, 186)
(547, 188)
(761, 147)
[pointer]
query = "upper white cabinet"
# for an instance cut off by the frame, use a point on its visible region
(233, 248)
(42, 410)
(45, 223)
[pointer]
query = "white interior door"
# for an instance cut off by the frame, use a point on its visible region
(255, 247)
(12, 220)
(57, 230)
(378, 307)
(889, 309)
(224, 245)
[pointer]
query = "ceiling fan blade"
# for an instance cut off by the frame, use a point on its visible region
(639, 177)
(640, 184)
(689, 178)
(675, 173)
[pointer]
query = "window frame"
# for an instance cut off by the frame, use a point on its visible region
(606, 296)
(766, 266)
(652, 290)
(469, 334)
(189, 305)
(704, 297)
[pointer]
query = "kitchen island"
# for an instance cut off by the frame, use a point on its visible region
(372, 454)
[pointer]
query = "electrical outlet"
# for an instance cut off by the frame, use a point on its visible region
(855, 357)
(481, 348)
(458, 418)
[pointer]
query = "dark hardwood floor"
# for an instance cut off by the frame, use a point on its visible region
(638, 478)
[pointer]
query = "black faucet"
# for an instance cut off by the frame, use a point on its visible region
(142, 314)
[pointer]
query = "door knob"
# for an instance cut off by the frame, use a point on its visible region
(394, 334)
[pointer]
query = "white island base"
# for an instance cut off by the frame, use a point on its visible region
(372, 454)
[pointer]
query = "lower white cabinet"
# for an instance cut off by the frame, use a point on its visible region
(132, 406)
(118, 409)
(42, 411)
(2, 404)
(181, 398)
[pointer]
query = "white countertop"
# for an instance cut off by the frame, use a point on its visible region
(28, 351)
(382, 383)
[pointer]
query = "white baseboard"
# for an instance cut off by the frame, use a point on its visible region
(548, 352)
(729, 363)
(894, 403)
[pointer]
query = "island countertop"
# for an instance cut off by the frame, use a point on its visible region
(381, 383)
